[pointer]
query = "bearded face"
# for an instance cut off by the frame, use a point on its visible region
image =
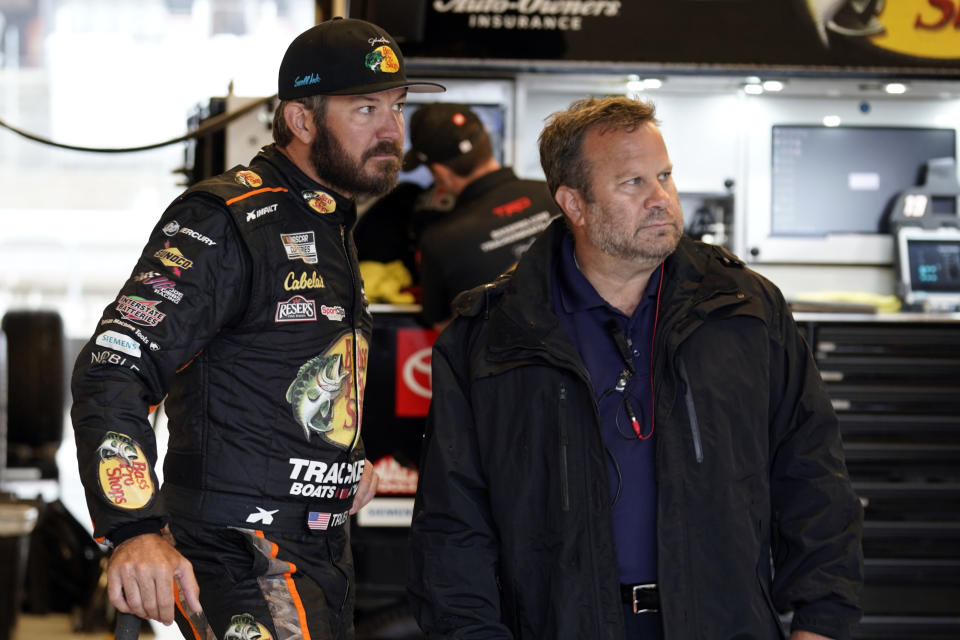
(361, 175)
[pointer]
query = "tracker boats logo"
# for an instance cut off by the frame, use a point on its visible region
(918, 29)
(529, 15)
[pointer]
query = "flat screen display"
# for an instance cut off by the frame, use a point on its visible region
(491, 115)
(934, 265)
(835, 180)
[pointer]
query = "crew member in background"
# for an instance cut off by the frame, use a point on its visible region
(628, 436)
(246, 311)
(496, 215)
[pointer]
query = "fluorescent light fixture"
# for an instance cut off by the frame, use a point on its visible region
(831, 121)
(652, 83)
(772, 85)
(895, 88)
(753, 89)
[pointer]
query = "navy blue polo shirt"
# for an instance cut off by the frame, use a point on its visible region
(630, 461)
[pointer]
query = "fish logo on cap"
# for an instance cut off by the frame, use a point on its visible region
(382, 59)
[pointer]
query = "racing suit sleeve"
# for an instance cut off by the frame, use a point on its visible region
(191, 279)
(452, 580)
(817, 525)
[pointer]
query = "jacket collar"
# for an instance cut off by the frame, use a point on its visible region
(312, 192)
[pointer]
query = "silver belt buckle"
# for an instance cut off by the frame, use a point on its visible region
(643, 587)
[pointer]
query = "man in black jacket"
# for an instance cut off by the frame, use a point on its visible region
(246, 311)
(628, 435)
(496, 215)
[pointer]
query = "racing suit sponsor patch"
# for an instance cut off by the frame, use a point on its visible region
(335, 312)
(262, 516)
(262, 211)
(300, 246)
(244, 627)
(296, 309)
(317, 479)
(164, 287)
(248, 179)
(119, 342)
(141, 336)
(319, 201)
(298, 283)
(326, 396)
(320, 521)
(123, 472)
(172, 257)
(140, 310)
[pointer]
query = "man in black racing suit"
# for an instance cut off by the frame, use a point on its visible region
(246, 311)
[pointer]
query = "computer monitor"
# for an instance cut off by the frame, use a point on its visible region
(842, 180)
(929, 267)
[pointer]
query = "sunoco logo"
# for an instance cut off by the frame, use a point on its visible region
(296, 309)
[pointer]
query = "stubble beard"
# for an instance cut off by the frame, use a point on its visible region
(636, 246)
(335, 166)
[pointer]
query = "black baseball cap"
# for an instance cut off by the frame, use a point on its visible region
(344, 57)
(441, 131)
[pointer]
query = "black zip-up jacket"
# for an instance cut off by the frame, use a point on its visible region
(512, 533)
(246, 311)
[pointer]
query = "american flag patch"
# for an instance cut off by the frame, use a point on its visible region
(317, 520)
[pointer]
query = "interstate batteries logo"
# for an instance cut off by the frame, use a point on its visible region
(140, 310)
(918, 29)
(327, 395)
(123, 472)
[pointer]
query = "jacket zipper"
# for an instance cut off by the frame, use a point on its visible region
(357, 302)
(691, 411)
(564, 473)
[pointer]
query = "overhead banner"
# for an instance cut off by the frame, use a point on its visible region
(912, 34)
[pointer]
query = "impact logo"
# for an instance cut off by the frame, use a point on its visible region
(382, 58)
(248, 179)
(319, 201)
(123, 472)
(923, 29)
(244, 627)
(327, 395)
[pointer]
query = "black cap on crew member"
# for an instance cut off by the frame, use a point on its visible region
(440, 132)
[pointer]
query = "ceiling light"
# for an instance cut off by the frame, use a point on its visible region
(753, 89)
(652, 83)
(895, 88)
(772, 85)
(831, 121)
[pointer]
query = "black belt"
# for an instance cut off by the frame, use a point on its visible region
(645, 598)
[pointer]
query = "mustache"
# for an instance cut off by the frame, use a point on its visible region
(383, 148)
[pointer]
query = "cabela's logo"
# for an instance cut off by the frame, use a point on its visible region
(327, 395)
(919, 29)
(248, 179)
(123, 472)
(294, 283)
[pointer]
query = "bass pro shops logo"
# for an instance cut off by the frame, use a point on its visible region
(124, 474)
(921, 29)
(327, 395)
(245, 627)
